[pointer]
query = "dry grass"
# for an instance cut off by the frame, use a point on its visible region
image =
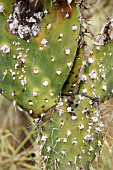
(17, 139)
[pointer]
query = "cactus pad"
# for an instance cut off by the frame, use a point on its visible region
(71, 134)
(98, 82)
(37, 50)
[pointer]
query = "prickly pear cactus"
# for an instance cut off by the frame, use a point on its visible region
(41, 72)
(71, 134)
(38, 42)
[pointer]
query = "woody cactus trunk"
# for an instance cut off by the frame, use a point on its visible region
(44, 72)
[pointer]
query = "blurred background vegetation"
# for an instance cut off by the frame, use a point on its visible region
(18, 147)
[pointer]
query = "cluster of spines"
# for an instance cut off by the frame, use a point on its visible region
(71, 134)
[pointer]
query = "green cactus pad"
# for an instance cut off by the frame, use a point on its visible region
(34, 63)
(71, 85)
(98, 81)
(71, 134)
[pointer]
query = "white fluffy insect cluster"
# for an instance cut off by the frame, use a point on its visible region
(106, 34)
(1, 8)
(21, 24)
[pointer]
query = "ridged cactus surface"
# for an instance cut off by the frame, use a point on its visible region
(71, 86)
(34, 70)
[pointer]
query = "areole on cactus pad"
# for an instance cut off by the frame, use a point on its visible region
(38, 43)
